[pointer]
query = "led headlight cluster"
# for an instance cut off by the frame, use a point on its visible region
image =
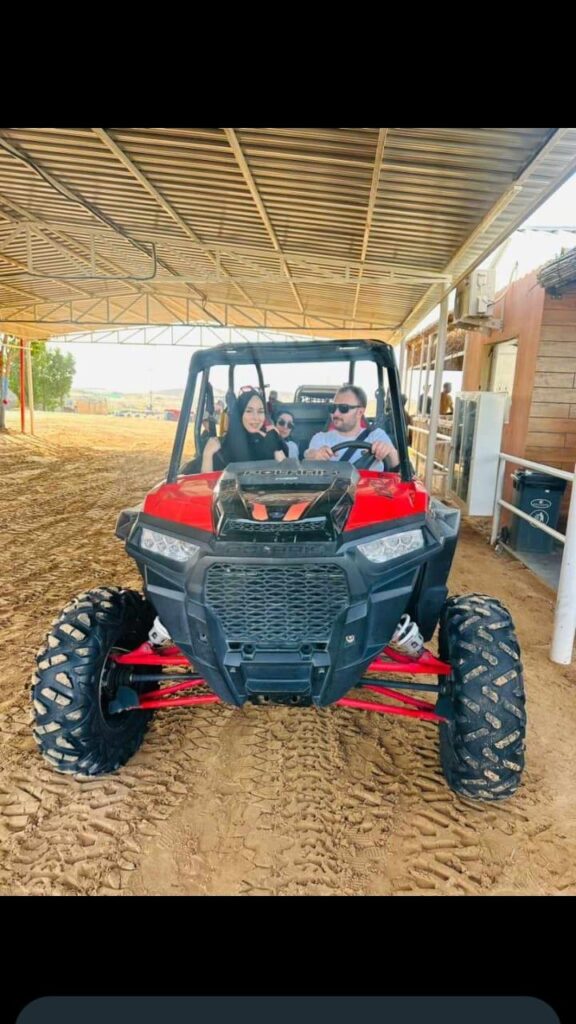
(169, 547)
(384, 549)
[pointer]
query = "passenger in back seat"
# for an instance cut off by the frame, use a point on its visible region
(284, 423)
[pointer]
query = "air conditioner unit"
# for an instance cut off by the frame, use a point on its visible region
(474, 298)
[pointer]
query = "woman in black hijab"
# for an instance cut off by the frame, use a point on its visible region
(246, 439)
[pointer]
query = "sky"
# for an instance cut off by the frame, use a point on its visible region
(139, 368)
(134, 368)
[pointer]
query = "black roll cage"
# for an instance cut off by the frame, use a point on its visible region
(257, 354)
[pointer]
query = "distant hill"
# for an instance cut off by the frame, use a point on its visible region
(120, 400)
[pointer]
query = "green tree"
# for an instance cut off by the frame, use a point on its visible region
(52, 376)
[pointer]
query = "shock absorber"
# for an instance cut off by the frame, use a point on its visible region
(407, 638)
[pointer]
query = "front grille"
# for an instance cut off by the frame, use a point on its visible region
(276, 606)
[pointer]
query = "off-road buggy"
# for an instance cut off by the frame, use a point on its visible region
(289, 583)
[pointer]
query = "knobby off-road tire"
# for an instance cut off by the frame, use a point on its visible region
(70, 688)
(482, 744)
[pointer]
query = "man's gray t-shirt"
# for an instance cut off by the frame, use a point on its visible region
(332, 437)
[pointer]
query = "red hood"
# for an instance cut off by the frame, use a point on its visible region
(379, 499)
(188, 501)
(383, 497)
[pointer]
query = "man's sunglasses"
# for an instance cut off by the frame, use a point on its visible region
(342, 407)
(285, 423)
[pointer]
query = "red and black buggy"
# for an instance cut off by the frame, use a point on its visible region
(291, 583)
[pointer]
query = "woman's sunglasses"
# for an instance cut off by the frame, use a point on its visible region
(285, 423)
(342, 407)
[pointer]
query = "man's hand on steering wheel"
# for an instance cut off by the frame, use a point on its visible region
(382, 450)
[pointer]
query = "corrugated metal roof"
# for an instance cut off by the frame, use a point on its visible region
(324, 229)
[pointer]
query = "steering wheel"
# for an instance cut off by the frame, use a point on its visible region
(359, 445)
(365, 446)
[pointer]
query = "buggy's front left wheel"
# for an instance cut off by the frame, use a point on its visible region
(74, 685)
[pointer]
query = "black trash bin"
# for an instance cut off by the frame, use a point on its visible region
(539, 496)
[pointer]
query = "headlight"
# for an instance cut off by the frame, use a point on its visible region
(394, 546)
(168, 547)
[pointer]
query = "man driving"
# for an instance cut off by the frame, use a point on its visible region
(346, 412)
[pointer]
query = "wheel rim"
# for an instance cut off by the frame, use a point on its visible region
(108, 689)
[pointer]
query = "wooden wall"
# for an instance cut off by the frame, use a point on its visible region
(551, 435)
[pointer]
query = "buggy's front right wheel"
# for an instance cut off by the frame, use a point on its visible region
(482, 741)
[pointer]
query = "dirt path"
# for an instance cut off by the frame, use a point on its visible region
(258, 801)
